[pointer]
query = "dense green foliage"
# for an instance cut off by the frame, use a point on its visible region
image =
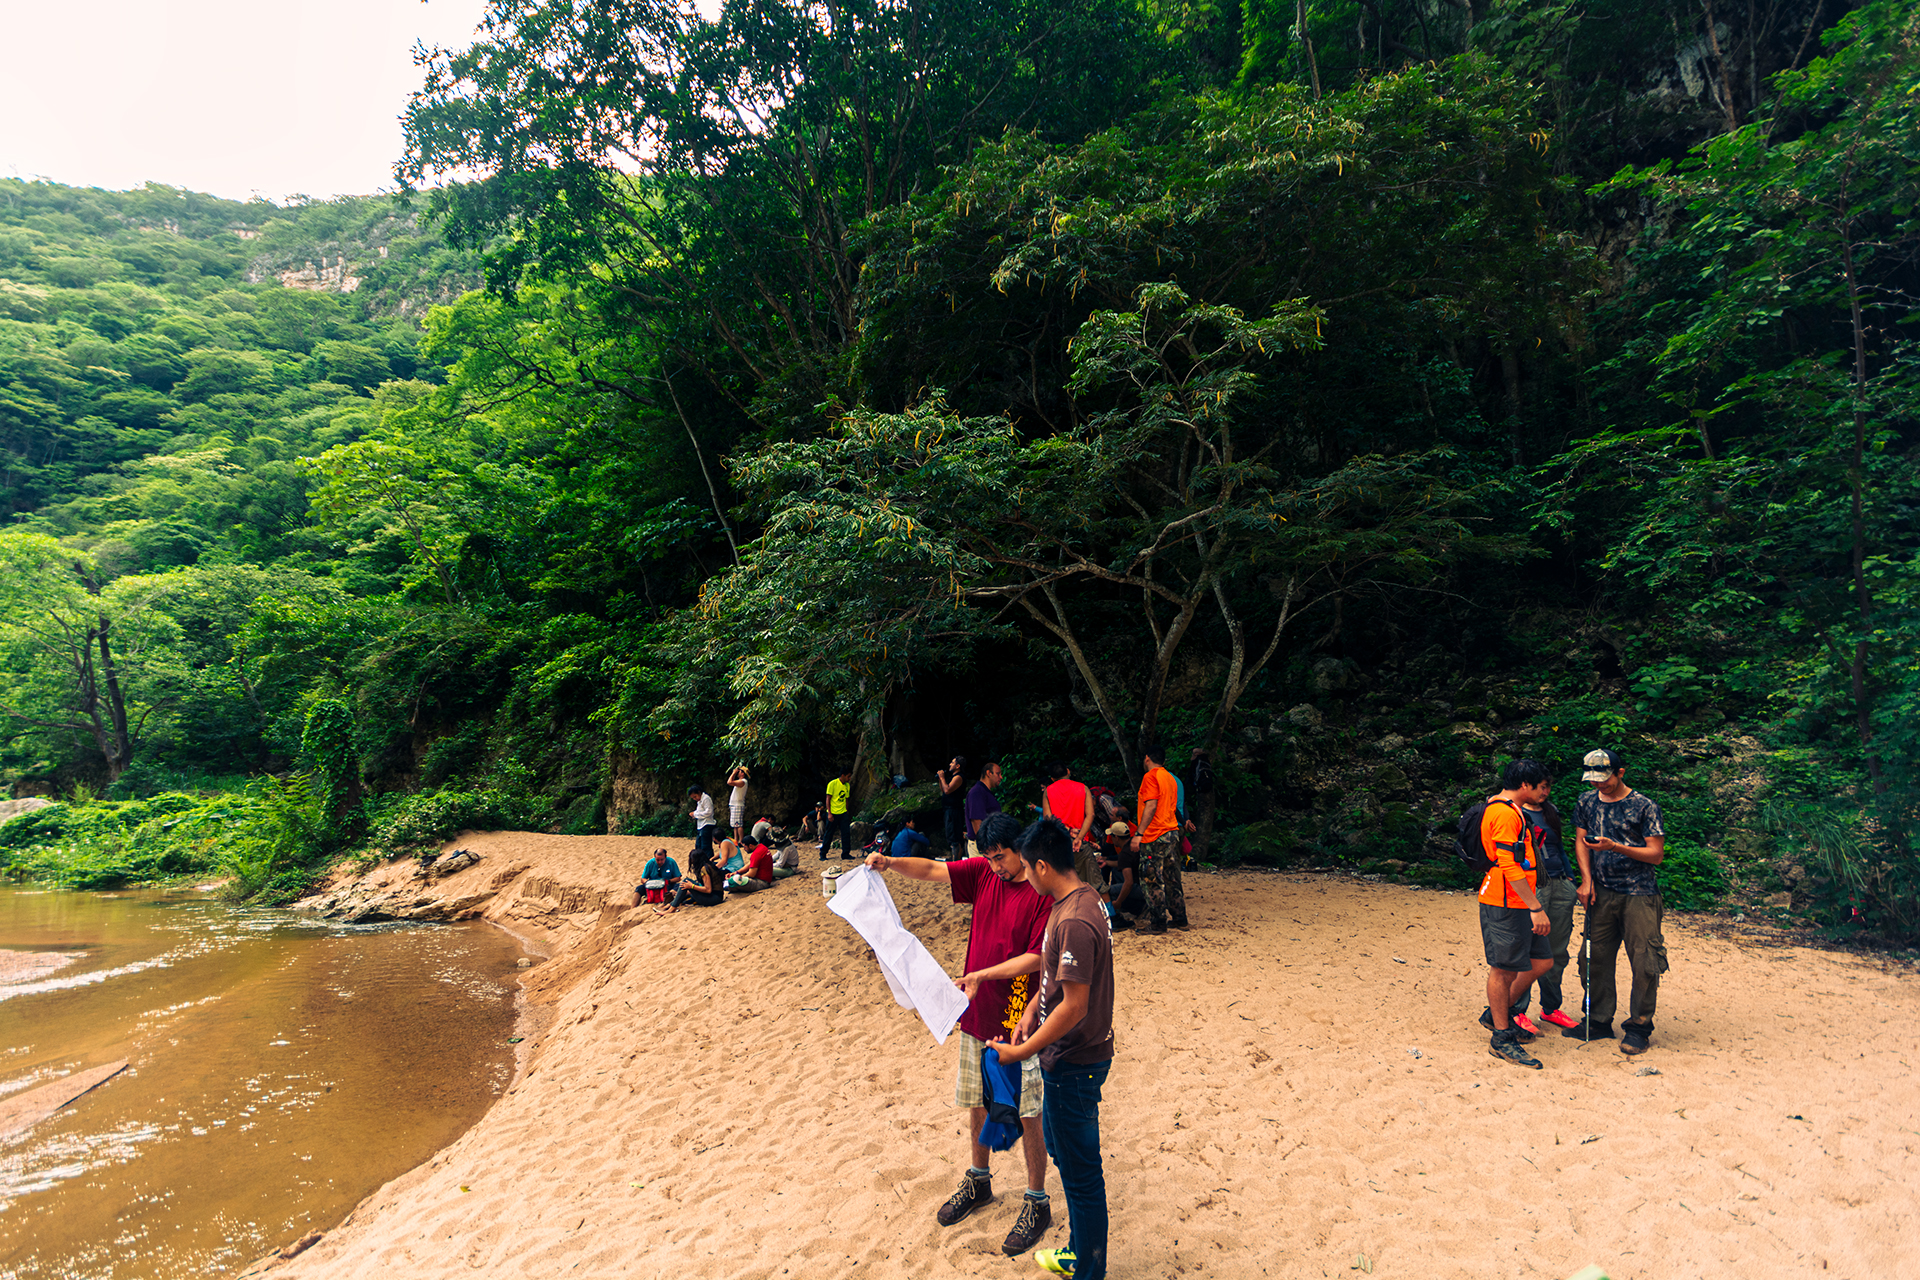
(1363, 392)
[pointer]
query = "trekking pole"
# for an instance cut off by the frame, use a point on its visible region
(1586, 987)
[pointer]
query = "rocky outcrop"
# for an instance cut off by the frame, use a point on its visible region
(329, 277)
(10, 809)
(582, 881)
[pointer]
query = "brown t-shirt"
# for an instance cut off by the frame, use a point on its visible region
(1079, 948)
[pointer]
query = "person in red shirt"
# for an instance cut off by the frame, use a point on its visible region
(757, 874)
(1004, 942)
(1513, 923)
(1072, 804)
(1157, 840)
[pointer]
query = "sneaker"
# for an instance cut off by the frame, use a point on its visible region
(973, 1193)
(1035, 1217)
(1558, 1019)
(1503, 1045)
(1519, 1028)
(1057, 1261)
(1589, 1031)
(1635, 1039)
(1526, 1024)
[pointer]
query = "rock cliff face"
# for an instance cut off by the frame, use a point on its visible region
(328, 277)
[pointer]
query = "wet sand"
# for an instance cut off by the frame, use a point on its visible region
(27, 966)
(1300, 1090)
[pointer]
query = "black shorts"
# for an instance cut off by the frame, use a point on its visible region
(1511, 942)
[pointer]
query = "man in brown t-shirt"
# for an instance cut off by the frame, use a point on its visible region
(1071, 1028)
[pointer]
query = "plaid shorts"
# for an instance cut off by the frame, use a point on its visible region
(970, 1091)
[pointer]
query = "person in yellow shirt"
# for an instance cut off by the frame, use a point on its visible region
(836, 818)
(1513, 922)
(1157, 840)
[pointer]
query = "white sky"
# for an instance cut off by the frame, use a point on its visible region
(266, 97)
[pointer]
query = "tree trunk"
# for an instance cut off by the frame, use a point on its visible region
(1856, 482)
(121, 754)
(1063, 632)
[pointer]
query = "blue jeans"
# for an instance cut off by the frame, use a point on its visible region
(1070, 1122)
(703, 841)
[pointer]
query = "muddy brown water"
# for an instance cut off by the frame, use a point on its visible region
(280, 1070)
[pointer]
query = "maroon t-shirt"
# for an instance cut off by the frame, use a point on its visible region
(1079, 948)
(1008, 920)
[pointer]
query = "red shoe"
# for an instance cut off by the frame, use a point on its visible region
(1526, 1024)
(1559, 1019)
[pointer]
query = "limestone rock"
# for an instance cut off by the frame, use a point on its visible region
(10, 809)
(449, 863)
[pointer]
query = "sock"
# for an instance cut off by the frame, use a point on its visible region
(977, 1173)
(1039, 1197)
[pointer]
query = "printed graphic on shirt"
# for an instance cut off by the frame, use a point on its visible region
(1018, 993)
(1629, 821)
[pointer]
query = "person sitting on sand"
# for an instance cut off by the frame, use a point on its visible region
(1121, 862)
(763, 832)
(658, 878)
(786, 861)
(757, 875)
(1004, 939)
(908, 842)
(703, 888)
(730, 857)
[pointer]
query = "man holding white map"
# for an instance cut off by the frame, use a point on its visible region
(1003, 955)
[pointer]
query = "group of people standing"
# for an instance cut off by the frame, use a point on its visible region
(1527, 899)
(1039, 984)
(1135, 860)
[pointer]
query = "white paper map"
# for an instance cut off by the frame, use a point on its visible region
(917, 980)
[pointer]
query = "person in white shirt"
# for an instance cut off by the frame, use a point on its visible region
(702, 816)
(737, 802)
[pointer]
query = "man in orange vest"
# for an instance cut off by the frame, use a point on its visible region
(1072, 804)
(1157, 838)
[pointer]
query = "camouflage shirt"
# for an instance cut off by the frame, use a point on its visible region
(1630, 820)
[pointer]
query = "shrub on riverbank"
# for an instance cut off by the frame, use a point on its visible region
(266, 839)
(408, 822)
(103, 844)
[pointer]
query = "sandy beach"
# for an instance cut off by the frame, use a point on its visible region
(1300, 1090)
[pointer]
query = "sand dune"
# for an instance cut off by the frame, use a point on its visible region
(732, 1093)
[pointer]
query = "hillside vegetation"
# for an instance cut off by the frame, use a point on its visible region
(1365, 401)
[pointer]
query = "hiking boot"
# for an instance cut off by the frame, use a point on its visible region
(1035, 1217)
(1520, 1033)
(973, 1193)
(1181, 923)
(1503, 1045)
(1589, 1031)
(1635, 1037)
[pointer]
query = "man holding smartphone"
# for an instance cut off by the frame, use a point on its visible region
(1618, 838)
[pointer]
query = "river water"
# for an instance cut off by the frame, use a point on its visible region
(280, 1070)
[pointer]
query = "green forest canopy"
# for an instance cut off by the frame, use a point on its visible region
(1362, 398)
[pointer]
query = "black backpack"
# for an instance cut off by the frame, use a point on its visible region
(1467, 845)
